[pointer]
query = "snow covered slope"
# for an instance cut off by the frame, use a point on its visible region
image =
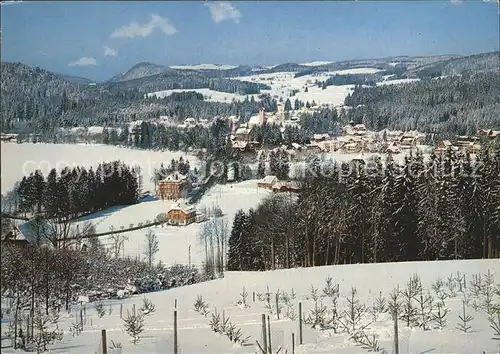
(196, 336)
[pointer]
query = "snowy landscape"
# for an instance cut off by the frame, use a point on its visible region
(250, 178)
(22, 159)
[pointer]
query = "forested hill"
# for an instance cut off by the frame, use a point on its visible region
(458, 104)
(49, 101)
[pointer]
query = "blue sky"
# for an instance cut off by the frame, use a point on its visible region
(100, 39)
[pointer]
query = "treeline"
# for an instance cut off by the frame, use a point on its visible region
(446, 207)
(352, 79)
(456, 105)
(77, 191)
(52, 279)
(187, 80)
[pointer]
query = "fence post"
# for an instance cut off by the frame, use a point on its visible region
(15, 331)
(176, 351)
(28, 328)
(253, 296)
(269, 334)
(396, 340)
(121, 310)
(300, 323)
(133, 309)
(175, 304)
(278, 305)
(264, 333)
(293, 343)
(104, 343)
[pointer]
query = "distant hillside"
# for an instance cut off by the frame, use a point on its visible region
(76, 79)
(47, 101)
(139, 71)
(485, 62)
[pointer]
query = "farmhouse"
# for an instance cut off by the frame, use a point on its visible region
(267, 182)
(488, 133)
(171, 188)
(36, 232)
(8, 137)
(289, 186)
(241, 146)
(242, 134)
(181, 213)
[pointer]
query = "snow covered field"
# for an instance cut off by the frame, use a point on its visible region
(203, 67)
(20, 160)
(196, 336)
(210, 95)
(317, 63)
(174, 241)
(396, 82)
(282, 84)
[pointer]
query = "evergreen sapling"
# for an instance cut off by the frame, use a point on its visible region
(464, 323)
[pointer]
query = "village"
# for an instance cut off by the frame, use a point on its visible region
(355, 142)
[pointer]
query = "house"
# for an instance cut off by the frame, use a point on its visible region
(326, 145)
(289, 186)
(321, 137)
(242, 134)
(359, 129)
(407, 141)
(171, 187)
(445, 145)
(352, 147)
(312, 147)
(393, 149)
(488, 133)
(8, 137)
(493, 134)
(241, 146)
(189, 122)
(348, 130)
(267, 182)
(36, 231)
(181, 213)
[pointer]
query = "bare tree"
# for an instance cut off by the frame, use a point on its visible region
(206, 238)
(214, 236)
(152, 247)
(117, 241)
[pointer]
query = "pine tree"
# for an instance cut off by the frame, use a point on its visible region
(288, 105)
(261, 169)
(38, 189)
(234, 258)
(105, 136)
(50, 197)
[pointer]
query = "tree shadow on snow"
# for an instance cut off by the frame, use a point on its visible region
(427, 351)
(102, 213)
(64, 349)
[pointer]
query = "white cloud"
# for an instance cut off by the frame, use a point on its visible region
(110, 52)
(6, 3)
(456, 2)
(84, 61)
(223, 10)
(134, 29)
